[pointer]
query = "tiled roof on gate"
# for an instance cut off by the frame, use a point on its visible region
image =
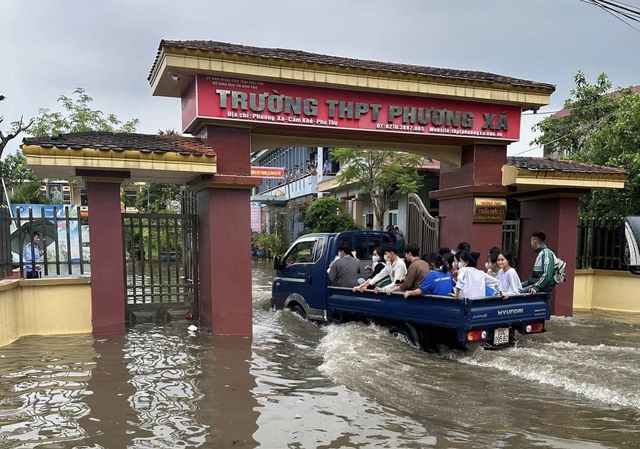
(315, 58)
(546, 164)
(107, 141)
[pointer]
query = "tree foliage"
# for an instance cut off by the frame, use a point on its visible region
(268, 242)
(602, 128)
(326, 215)
(78, 116)
(384, 175)
(23, 184)
(154, 197)
(615, 145)
(29, 193)
(589, 107)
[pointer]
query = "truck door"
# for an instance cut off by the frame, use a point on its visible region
(303, 278)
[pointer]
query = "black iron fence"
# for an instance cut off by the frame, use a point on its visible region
(599, 244)
(6, 262)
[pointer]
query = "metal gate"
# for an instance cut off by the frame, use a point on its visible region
(161, 272)
(422, 228)
(511, 237)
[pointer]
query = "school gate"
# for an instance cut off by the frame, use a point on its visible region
(238, 99)
(161, 271)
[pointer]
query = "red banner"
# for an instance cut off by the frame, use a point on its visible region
(267, 172)
(238, 100)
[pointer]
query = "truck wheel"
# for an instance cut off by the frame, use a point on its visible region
(409, 334)
(297, 308)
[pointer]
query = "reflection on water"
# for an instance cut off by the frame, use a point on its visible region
(299, 385)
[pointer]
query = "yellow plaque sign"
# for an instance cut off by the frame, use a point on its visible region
(489, 210)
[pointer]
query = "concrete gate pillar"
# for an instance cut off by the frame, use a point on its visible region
(107, 262)
(555, 214)
(479, 175)
(224, 229)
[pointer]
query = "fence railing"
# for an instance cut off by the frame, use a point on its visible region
(62, 249)
(599, 244)
(6, 262)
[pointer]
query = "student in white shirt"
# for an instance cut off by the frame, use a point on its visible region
(394, 268)
(507, 275)
(472, 282)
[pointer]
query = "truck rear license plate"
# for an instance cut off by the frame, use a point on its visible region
(501, 336)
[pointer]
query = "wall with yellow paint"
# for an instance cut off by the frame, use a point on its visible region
(44, 307)
(606, 290)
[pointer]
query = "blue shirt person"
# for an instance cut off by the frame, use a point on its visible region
(33, 270)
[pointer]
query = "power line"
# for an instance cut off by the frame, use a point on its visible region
(566, 135)
(604, 5)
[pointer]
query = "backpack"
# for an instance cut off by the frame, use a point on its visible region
(558, 270)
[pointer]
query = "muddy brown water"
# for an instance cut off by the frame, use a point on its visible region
(299, 385)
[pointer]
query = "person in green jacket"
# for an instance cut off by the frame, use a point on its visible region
(541, 279)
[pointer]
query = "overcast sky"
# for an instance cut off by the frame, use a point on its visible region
(50, 47)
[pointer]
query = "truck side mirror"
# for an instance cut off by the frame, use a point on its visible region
(631, 255)
(277, 263)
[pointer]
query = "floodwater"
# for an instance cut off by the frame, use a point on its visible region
(299, 385)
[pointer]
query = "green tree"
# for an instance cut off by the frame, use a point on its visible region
(615, 144)
(602, 128)
(268, 242)
(16, 128)
(384, 175)
(23, 184)
(326, 215)
(29, 193)
(154, 197)
(589, 107)
(16, 172)
(78, 116)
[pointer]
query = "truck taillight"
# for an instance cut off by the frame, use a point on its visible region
(534, 327)
(476, 335)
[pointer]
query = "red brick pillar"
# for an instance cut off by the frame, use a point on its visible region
(224, 232)
(555, 214)
(479, 175)
(107, 262)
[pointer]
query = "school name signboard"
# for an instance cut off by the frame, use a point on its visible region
(277, 104)
(489, 210)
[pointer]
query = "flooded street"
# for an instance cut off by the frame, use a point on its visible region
(300, 385)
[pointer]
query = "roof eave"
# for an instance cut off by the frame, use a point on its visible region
(187, 62)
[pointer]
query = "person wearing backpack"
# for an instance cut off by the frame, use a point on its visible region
(542, 277)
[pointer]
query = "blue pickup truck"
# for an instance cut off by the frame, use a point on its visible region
(302, 285)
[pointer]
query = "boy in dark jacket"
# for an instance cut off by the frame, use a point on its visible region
(541, 279)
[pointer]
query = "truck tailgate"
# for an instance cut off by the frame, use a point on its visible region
(441, 311)
(495, 311)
